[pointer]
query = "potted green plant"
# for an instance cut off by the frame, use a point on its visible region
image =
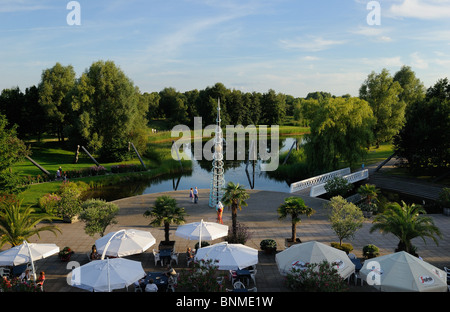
(444, 200)
(269, 246)
(65, 254)
(368, 209)
(370, 251)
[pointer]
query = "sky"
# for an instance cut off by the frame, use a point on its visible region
(291, 46)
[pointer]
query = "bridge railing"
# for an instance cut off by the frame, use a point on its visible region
(298, 186)
(318, 190)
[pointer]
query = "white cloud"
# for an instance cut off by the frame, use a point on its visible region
(311, 44)
(374, 32)
(417, 61)
(421, 9)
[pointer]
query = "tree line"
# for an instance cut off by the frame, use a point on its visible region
(103, 110)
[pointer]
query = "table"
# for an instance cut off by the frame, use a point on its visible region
(159, 278)
(243, 274)
(165, 254)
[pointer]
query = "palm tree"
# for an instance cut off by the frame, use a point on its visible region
(294, 207)
(234, 197)
(370, 192)
(166, 212)
(18, 224)
(406, 222)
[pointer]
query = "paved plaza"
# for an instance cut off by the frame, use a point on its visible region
(260, 216)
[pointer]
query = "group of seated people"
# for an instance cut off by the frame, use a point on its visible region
(150, 286)
(25, 277)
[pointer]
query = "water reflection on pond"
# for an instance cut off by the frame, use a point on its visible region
(200, 177)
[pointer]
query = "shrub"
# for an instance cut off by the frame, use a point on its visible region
(344, 247)
(49, 202)
(202, 277)
(268, 244)
(444, 197)
(204, 244)
(370, 251)
(316, 277)
(338, 186)
(242, 234)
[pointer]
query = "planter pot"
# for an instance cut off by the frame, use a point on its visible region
(446, 211)
(65, 258)
(270, 250)
(288, 242)
(71, 220)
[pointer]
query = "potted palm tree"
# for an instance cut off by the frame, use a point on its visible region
(406, 222)
(166, 212)
(234, 197)
(294, 207)
(369, 192)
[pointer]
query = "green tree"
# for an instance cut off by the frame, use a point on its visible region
(406, 222)
(234, 197)
(413, 89)
(98, 215)
(18, 224)
(294, 207)
(346, 218)
(274, 107)
(108, 113)
(383, 95)
(424, 141)
(165, 212)
(55, 91)
(340, 130)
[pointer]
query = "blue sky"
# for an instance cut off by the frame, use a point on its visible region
(291, 46)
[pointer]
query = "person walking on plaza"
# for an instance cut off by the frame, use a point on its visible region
(196, 195)
(191, 194)
(219, 209)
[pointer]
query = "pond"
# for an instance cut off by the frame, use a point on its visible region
(250, 176)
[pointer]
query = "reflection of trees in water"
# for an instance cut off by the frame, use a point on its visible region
(132, 187)
(233, 164)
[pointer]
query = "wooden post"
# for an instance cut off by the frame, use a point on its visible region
(93, 159)
(137, 153)
(37, 165)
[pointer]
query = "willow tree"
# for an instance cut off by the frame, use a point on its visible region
(340, 131)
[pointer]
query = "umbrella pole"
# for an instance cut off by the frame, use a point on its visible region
(31, 259)
(109, 284)
(200, 235)
(109, 242)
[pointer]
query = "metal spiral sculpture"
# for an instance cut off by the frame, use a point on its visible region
(218, 178)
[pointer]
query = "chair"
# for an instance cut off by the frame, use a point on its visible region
(157, 258)
(238, 285)
(5, 272)
(220, 280)
(233, 276)
(352, 256)
(253, 276)
(174, 257)
(252, 289)
(173, 281)
(189, 261)
(447, 270)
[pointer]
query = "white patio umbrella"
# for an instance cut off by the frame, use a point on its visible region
(27, 253)
(106, 275)
(207, 231)
(314, 252)
(403, 272)
(230, 256)
(124, 243)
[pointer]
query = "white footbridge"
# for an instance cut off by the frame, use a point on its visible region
(317, 184)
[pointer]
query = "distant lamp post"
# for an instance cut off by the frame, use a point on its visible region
(218, 178)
